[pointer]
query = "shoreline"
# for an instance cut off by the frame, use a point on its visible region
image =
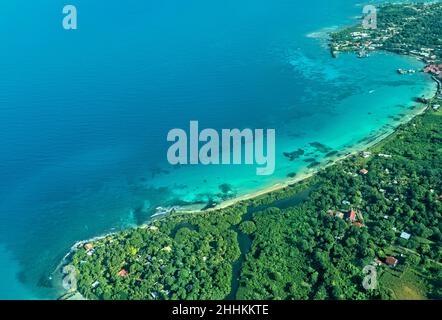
(304, 174)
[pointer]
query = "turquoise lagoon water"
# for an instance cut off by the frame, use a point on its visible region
(84, 114)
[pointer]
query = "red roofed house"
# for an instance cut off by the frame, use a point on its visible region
(352, 216)
(391, 261)
(358, 224)
(432, 68)
(122, 273)
(363, 171)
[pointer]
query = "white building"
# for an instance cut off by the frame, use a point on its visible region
(405, 235)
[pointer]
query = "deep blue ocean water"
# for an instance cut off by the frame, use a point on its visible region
(84, 114)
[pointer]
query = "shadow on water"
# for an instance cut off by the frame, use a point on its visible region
(245, 241)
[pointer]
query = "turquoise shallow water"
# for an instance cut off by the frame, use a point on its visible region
(340, 113)
(84, 114)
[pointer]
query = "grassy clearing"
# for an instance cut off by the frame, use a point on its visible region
(405, 286)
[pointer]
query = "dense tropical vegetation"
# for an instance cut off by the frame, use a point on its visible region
(405, 29)
(300, 252)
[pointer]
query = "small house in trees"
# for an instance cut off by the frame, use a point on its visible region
(95, 284)
(122, 273)
(336, 214)
(352, 216)
(391, 261)
(366, 154)
(405, 235)
(358, 224)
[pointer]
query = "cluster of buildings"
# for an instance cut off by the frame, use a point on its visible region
(390, 261)
(367, 40)
(426, 54)
(354, 217)
(434, 69)
(364, 40)
(89, 247)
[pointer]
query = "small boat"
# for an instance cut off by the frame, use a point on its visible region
(403, 71)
